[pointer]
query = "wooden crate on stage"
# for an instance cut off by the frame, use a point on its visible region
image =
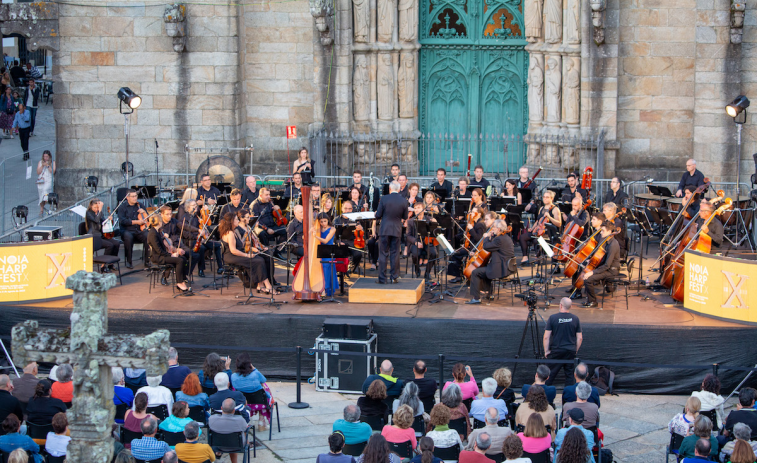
(407, 291)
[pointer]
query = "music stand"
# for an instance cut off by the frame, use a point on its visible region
(526, 194)
(500, 204)
(556, 190)
(440, 192)
(331, 251)
(663, 192)
(462, 205)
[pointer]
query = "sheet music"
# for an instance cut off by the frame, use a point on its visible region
(361, 215)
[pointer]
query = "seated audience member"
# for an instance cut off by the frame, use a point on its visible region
(426, 386)
(213, 365)
(192, 451)
(580, 373)
(742, 453)
(479, 406)
(174, 377)
(540, 378)
(353, 430)
(393, 385)
(535, 437)
(401, 429)
(170, 457)
(248, 379)
(478, 455)
(179, 418)
(453, 399)
(8, 403)
(591, 411)
(135, 377)
(23, 387)
(63, 389)
(468, 389)
(701, 451)
(409, 397)
(744, 413)
(576, 448)
(191, 392)
(57, 440)
(227, 423)
(426, 447)
(575, 419)
(18, 456)
(496, 434)
(512, 448)
(378, 451)
(148, 447)
(124, 456)
(122, 395)
(13, 440)
(536, 402)
(742, 432)
(683, 422)
(372, 403)
(216, 400)
(442, 435)
(157, 394)
(134, 418)
(504, 378)
(42, 408)
(702, 429)
(335, 455)
(710, 398)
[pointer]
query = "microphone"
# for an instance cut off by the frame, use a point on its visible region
(156, 144)
(650, 179)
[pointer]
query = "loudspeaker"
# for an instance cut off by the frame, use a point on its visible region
(360, 329)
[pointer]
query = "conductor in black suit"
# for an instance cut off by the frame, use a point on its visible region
(392, 210)
(500, 245)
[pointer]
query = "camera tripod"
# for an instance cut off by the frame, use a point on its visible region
(532, 325)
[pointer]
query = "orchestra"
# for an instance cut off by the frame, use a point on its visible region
(422, 246)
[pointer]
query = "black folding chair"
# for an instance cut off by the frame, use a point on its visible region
(160, 411)
(428, 403)
(375, 422)
(713, 416)
(541, 457)
(209, 390)
(37, 430)
(448, 453)
(354, 449)
(52, 459)
(121, 412)
(419, 426)
(460, 425)
(197, 413)
(172, 438)
(157, 460)
(403, 449)
(673, 446)
(260, 398)
(127, 436)
(232, 443)
(468, 403)
(497, 457)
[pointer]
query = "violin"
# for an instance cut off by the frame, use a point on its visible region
(203, 224)
(144, 215)
(279, 217)
(472, 218)
(359, 238)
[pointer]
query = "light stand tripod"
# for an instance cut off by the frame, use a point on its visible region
(532, 325)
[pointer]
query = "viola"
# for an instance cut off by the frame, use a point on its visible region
(143, 215)
(108, 221)
(472, 219)
(279, 217)
(359, 238)
(430, 241)
(203, 223)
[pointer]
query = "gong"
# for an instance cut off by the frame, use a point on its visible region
(223, 171)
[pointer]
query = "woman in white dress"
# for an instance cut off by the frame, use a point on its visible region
(45, 171)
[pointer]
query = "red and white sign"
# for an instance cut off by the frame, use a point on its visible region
(291, 132)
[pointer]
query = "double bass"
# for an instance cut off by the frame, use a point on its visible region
(308, 281)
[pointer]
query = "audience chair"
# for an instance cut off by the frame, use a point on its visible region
(51, 459)
(197, 413)
(513, 410)
(121, 413)
(209, 390)
(354, 449)
(713, 416)
(622, 279)
(160, 411)
(206, 461)
(497, 457)
(480, 424)
(468, 403)
(157, 460)
(127, 436)
(156, 271)
(174, 390)
(172, 438)
(37, 430)
(428, 403)
(461, 426)
(403, 449)
(375, 422)
(234, 441)
(673, 446)
(260, 398)
(448, 453)
(419, 426)
(542, 457)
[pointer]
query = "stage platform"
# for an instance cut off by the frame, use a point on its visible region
(650, 331)
(405, 291)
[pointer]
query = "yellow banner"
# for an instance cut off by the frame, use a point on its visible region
(38, 270)
(719, 287)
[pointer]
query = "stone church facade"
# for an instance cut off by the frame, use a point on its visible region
(652, 75)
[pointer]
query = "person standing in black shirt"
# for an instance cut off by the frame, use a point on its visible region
(207, 192)
(263, 209)
(562, 339)
(615, 194)
(608, 267)
(250, 192)
(569, 192)
(129, 222)
(692, 176)
(478, 180)
(441, 183)
(392, 210)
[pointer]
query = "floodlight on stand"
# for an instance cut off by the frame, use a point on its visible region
(124, 171)
(20, 212)
(90, 183)
(737, 110)
(52, 200)
(736, 107)
(131, 99)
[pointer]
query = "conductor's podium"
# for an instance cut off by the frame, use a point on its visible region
(406, 291)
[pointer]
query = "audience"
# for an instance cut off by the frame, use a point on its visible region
(701, 451)
(378, 451)
(580, 373)
(742, 453)
(741, 432)
(409, 397)
(512, 448)
(13, 440)
(63, 389)
(227, 423)
(575, 448)
(496, 434)
(682, 423)
(57, 440)
(744, 413)
(135, 377)
(575, 419)
(18, 456)
(393, 385)
(192, 451)
(535, 437)
(214, 364)
(179, 418)
(479, 406)
(536, 401)
(702, 429)
(468, 389)
(401, 428)
(540, 379)
(453, 399)
(335, 455)
(504, 378)
(42, 408)
(481, 444)
(216, 400)
(591, 410)
(248, 380)
(122, 395)
(353, 430)
(24, 387)
(124, 456)
(8, 403)
(442, 435)
(372, 403)
(157, 394)
(426, 447)
(170, 457)
(426, 386)
(710, 397)
(148, 447)
(191, 392)
(134, 418)
(174, 377)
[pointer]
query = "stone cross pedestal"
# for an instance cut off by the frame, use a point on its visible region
(92, 352)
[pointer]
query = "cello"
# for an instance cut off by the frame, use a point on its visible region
(570, 237)
(595, 258)
(480, 256)
(308, 279)
(586, 250)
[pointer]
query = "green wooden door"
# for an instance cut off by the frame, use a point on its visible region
(473, 88)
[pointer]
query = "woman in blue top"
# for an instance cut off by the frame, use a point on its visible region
(326, 236)
(192, 394)
(178, 419)
(247, 379)
(12, 440)
(214, 364)
(22, 123)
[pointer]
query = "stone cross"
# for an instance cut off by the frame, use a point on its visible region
(92, 352)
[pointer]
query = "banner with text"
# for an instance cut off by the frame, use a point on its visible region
(719, 287)
(38, 270)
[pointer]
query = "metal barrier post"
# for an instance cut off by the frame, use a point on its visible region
(441, 375)
(715, 367)
(299, 403)
(3, 200)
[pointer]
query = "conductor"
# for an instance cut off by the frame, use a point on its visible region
(392, 210)
(500, 245)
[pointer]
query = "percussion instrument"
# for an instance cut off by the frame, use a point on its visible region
(674, 204)
(740, 206)
(648, 200)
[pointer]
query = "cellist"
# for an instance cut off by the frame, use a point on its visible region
(611, 210)
(554, 222)
(714, 229)
(420, 251)
(500, 245)
(476, 228)
(577, 215)
(596, 223)
(608, 267)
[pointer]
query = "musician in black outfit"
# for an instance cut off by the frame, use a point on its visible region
(357, 182)
(293, 190)
(187, 217)
(263, 252)
(608, 267)
(392, 210)
(162, 256)
(476, 231)
(597, 219)
(263, 209)
(577, 215)
(553, 223)
(404, 190)
(294, 232)
(418, 248)
(615, 194)
(478, 180)
(441, 183)
(128, 220)
(250, 192)
(395, 177)
(569, 192)
(500, 245)
(523, 179)
(611, 210)
(693, 208)
(692, 176)
(207, 192)
(462, 190)
(356, 256)
(714, 229)
(94, 225)
(235, 205)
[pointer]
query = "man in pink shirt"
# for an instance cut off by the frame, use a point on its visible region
(478, 455)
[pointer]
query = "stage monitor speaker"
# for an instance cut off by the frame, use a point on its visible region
(336, 372)
(360, 329)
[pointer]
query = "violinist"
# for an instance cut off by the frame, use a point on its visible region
(356, 256)
(413, 197)
(478, 199)
(430, 204)
(357, 182)
(608, 267)
(164, 254)
(293, 190)
(131, 230)
(235, 205)
(523, 179)
(500, 245)
(476, 227)
(611, 210)
(245, 232)
(421, 249)
(255, 271)
(94, 225)
(263, 208)
(171, 229)
(356, 199)
(715, 227)
(208, 192)
(511, 190)
(572, 189)
(577, 215)
(462, 190)
(478, 180)
(187, 216)
(615, 194)
(250, 192)
(553, 222)
(294, 231)
(597, 219)
(189, 193)
(327, 206)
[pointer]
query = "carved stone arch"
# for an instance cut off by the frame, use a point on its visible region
(502, 21)
(36, 22)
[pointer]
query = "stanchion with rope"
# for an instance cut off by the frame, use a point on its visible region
(299, 404)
